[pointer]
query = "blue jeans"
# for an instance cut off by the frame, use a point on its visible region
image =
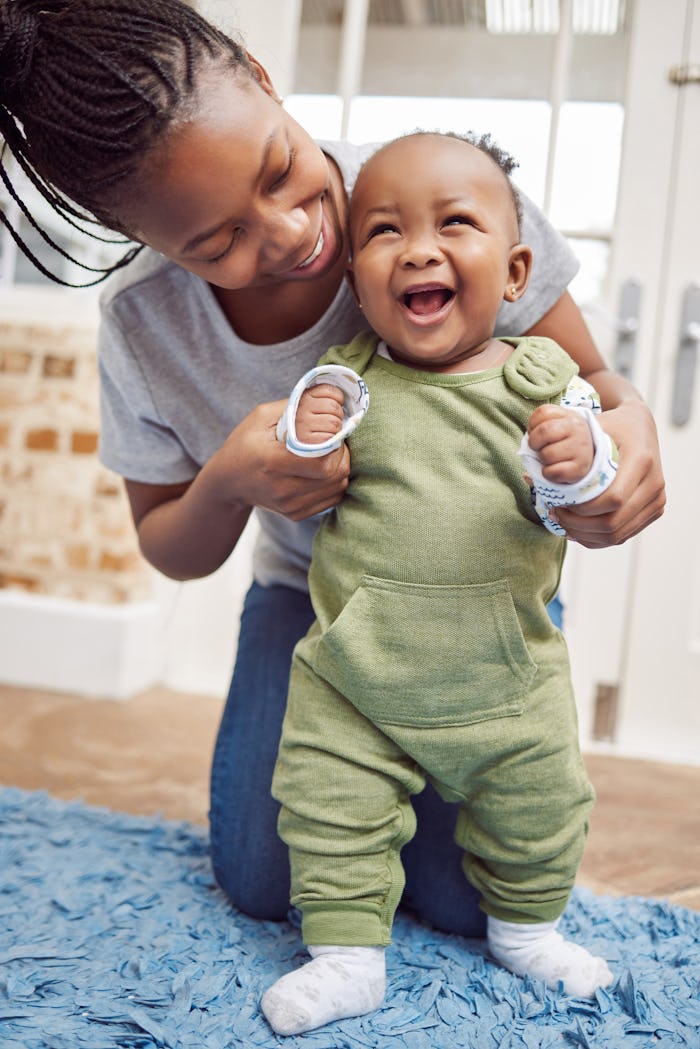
(249, 859)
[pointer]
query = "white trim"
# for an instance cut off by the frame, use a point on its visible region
(105, 651)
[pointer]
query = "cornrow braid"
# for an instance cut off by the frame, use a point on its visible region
(87, 88)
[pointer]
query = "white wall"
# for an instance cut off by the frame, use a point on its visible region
(183, 637)
(200, 623)
(268, 29)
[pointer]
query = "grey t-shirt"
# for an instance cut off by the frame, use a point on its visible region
(176, 379)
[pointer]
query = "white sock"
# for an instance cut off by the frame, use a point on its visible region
(339, 982)
(542, 953)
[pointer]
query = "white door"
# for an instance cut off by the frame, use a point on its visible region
(635, 612)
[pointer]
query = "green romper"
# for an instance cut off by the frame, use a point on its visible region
(433, 657)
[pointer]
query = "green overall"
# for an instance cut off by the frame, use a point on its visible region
(433, 657)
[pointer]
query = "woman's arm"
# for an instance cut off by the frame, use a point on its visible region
(188, 530)
(637, 496)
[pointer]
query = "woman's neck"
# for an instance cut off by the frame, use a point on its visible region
(278, 312)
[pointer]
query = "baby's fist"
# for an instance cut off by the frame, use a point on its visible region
(563, 440)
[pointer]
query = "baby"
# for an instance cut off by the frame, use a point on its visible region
(432, 656)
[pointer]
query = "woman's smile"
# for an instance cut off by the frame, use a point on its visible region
(315, 253)
(323, 254)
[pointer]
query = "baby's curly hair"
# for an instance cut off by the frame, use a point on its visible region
(486, 144)
(505, 161)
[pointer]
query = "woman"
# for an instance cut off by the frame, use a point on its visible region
(160, 127)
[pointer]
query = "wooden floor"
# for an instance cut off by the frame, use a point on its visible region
(152, 754)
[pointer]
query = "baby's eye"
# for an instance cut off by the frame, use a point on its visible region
(380, 228)
(458, 220)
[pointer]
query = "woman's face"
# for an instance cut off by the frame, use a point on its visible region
(239, 194)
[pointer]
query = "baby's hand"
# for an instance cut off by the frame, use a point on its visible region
(564, 442)
(320, 413)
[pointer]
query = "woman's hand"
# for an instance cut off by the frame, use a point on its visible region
(188, 530)
(257, 469)
(636, 497)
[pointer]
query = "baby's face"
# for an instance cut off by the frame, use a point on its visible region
(434, 236)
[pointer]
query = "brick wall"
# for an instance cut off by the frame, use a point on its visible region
(65, 526)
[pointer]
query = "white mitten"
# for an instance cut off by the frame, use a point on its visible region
(355, 404)
(548, 494)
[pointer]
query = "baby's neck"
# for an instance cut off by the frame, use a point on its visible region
(494, 354)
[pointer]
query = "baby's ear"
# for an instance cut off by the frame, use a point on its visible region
(519, 269)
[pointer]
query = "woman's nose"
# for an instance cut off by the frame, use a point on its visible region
(282, 232)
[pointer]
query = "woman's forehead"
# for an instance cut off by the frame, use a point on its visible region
(207, 162)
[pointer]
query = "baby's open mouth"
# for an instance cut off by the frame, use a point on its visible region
(427, 300)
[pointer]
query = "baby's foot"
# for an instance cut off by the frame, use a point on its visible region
(542, 953)
(339, 982)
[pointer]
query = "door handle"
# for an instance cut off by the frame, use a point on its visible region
(627, 327)
(687, 73)
(688, 339)
(625, 324)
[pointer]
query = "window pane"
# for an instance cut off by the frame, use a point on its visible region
(320, 115)
(519, 127)
(589, 283)
(587, 165)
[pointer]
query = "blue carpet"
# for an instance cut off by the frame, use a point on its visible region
(113, 934)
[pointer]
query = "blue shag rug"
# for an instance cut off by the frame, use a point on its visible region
(113, 934)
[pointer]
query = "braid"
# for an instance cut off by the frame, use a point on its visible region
(87, 88)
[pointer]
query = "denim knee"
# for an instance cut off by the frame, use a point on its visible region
(250, 861)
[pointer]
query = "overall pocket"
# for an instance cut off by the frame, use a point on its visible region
(412, 654)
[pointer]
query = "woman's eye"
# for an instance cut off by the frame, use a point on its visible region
(222, 254)
(281, 179)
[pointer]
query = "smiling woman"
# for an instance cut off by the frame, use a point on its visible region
(144, 117)
(256, 216)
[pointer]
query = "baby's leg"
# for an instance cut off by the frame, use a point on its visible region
(524, 831)
(346, 813)
(539, 951)
(337, 983)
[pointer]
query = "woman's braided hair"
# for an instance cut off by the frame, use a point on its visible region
(87, 88)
